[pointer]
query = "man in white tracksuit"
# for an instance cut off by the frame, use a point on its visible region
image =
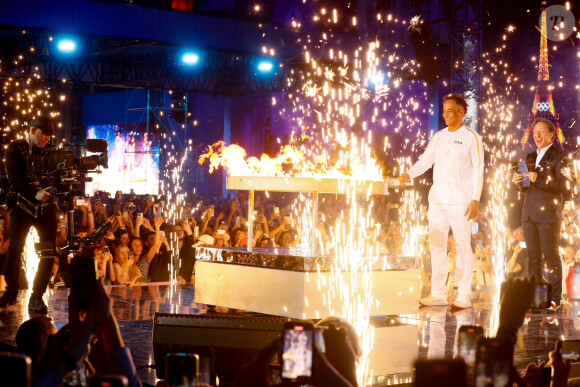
(456, 154)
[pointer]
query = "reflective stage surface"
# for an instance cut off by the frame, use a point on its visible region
(398, 340)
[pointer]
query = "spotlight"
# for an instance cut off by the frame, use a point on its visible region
(265, 66)
(190, 58)
(66, 45)
(378, 78)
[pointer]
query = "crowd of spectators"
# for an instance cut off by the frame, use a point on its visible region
(152, 240)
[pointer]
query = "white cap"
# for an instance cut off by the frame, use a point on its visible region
(204, 240)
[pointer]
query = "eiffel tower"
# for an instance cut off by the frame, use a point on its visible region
(543, 106)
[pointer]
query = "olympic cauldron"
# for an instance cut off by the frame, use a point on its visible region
(290, 282)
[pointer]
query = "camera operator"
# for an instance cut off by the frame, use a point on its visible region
(29, 198)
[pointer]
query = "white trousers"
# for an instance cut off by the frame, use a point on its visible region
(440, 218)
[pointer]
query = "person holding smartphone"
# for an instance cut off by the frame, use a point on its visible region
(543, 205)
(335, 367)
(125, 269)
(456, 155)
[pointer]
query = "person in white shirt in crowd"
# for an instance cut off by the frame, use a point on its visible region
(456, 155)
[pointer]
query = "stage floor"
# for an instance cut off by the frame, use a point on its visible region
(431, 332)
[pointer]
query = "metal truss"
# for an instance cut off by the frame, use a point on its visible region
(466, 52)
(126, 63)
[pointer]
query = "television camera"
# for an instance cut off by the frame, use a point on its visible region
(62, 169)
(66, 166)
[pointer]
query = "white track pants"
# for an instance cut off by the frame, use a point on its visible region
(440, 218)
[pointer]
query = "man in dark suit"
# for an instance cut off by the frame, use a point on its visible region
(543, 205)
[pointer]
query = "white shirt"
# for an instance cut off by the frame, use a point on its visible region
(457, 160)
(541, 153)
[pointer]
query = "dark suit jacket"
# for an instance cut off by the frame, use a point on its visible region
(545, 197)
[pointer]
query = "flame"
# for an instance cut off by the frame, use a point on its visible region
(292, 160)
(31, 259)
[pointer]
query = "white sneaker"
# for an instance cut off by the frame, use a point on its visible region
(434, 300)
(462, 302)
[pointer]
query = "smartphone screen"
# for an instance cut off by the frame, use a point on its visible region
(106, 250)
(523, 245)
(181, 369)
(297, 350)
(542, 293)
(570, 350)
(474, 227)
(493, 361)
(523, 169)
(467, 339)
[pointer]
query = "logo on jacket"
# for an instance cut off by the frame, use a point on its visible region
(457, 142)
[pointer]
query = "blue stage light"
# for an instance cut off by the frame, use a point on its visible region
(265, 66)
(190, 58)
(67, 45)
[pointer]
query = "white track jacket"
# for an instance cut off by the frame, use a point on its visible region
(458, 170)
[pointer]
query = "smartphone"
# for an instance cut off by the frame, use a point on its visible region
(221, 231)
(568, 350)
(297, 347)
(125, 215)
(108, 381)
(479, 244)
(440, 372)
(181, 369)
(106, 250)
(162, 234)
(474, 227)
(131, 254)
(523, 245)
(467, 339)
(139, 215)
(15, 368)
(196, 232)
(493, 359)
(116, 208)
(80, 202)
(542, 296)
(276, 210)
(523, 169)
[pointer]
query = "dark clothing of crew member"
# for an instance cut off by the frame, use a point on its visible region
(542, 216)
(187, 258)
(17, 156)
